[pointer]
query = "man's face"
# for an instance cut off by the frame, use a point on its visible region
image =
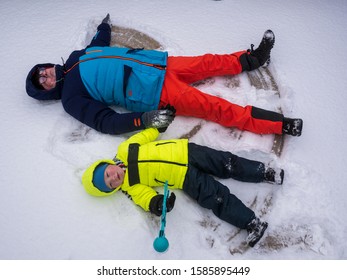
(113, 176)
(47, 78)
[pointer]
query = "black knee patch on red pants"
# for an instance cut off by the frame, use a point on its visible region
(262, 114)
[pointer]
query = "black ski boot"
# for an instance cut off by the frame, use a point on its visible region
(262, 53)
(253, 59)
(255, 229)
(274, 176)
(292, 126)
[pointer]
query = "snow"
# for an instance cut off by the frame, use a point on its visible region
(44, 210)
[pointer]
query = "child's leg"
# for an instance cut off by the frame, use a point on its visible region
(190, 69)
(225, 164)
(213, 195)
(189, 101)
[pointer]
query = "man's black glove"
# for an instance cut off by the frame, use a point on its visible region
(106, 19)
(160, 119)
(156, 204)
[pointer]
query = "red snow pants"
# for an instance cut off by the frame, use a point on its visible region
(177, 91)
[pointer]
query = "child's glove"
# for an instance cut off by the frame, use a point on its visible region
(106, 19)
(160, 119)
(156, 204)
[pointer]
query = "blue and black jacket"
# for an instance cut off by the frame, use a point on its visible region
(100, 76)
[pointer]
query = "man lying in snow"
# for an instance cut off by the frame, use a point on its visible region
(146, 81)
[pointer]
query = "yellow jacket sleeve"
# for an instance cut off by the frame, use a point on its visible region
(141, 195)
(143, 137)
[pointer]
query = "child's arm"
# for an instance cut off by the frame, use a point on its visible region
(141, 195)
(143, 137)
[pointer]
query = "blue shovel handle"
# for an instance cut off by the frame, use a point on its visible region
(161, 244)
(163, 214)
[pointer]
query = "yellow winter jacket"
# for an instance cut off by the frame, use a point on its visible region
(148, 164)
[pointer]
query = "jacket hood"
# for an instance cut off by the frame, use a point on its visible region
(42, 94)
(87, 179)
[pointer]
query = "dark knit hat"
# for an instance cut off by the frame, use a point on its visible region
(98, 178)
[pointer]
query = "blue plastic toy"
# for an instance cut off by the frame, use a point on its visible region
(161, 244)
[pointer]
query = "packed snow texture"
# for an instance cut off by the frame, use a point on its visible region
(45, 212)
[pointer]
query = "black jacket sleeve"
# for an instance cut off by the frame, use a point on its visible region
(102, 38)
(97, 115)
(102, 118)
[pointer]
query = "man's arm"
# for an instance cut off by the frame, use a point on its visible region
(102, 38)
(100, 117)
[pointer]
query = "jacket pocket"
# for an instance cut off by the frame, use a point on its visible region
(162, 183)
(141, 87)
(165, 143)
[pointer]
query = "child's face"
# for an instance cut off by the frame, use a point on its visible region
(113, 176)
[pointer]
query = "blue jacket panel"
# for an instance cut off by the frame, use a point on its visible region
(124, 77)
(85, 105)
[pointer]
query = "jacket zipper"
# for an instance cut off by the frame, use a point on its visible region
(163, 161)
(157, 66)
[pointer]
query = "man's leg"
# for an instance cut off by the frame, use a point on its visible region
(190, 69)
(189, 101)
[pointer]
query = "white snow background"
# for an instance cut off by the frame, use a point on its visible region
(45, 212)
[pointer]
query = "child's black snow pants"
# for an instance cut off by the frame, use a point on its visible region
(211, 194)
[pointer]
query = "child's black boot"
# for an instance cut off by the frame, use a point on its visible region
(274, 175)
(255, 230)
(292, 126)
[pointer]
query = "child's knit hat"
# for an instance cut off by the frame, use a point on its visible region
(88, 178)
(98, 178)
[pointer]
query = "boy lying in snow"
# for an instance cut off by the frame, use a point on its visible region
(143, 163)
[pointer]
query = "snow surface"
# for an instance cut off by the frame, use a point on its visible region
(44, 210)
